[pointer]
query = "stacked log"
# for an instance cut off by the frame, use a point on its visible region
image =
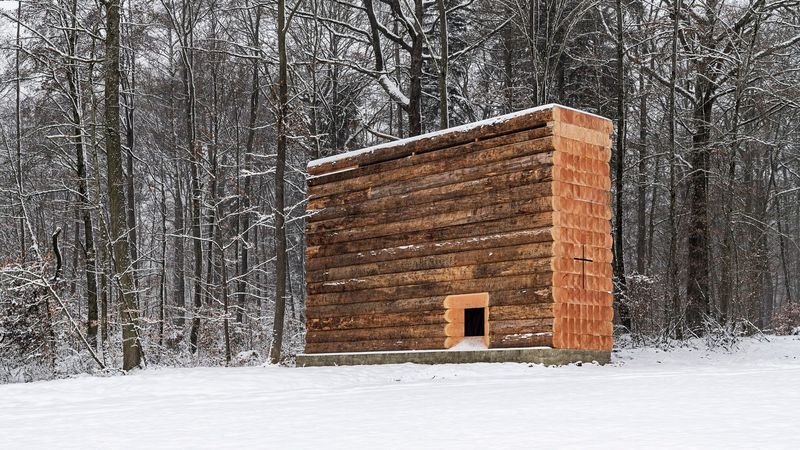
(501, 207)
(582, 229)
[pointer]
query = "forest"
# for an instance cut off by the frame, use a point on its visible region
(153, 157)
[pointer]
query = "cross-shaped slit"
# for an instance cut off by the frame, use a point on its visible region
(583, 259)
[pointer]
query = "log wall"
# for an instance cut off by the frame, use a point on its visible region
(501, 206)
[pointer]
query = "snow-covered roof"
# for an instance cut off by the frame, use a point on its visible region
(458, 129)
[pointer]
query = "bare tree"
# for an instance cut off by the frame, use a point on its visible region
(116, 192)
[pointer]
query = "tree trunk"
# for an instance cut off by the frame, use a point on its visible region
(225, 320)
(697, 292)
(244, 196)
(162, 286)
(179, 293)
(415, 99)
(280, 162)
(619, 214)
(18, 130)
(641, 185)
(397, 74)
(781, 238)
(508, 68)
(726, 279)
(130, 209)
(131, 351)
(444, 60)
(187, 54)
(73, 84)
(674, 317)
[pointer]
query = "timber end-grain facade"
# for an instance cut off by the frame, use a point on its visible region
(499, 230)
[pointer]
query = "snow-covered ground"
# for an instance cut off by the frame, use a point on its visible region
(647, 398)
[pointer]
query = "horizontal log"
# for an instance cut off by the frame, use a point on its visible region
(408, 305)
(577, 160)
(582, 119)
(406, 211)
(569, 220)
(570, 175)
(461, 166)
(586, 282)
(572, 325)
(454, 329)
(428, 262)
(460, 302)
(440, 168)
(317, 253)
(448, 219)
(364, 334)
(375, 345)
(581, 208)
(582, 296)
(573, 266)
(507, 159)
(514, 312)
(583, 312)
(520, 326)
(444, 275)
(376, 321)
(437, 140)
(582, 237)
(582, 341)
(595, 253)
(470, 286)
(544, 339)
(523, 297)
(581, 193)
(416, 192)
(406, 163)
(592, 137)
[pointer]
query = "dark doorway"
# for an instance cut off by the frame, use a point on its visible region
(473, 322)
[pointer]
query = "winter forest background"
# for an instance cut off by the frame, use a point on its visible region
(180, 231)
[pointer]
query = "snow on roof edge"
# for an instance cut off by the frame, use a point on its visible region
(460, 128)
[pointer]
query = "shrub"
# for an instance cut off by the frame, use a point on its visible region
(787, 320)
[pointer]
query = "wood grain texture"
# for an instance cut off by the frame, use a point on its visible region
(385, 333)
(504, 175)
(425, 170)
(433, 221)
(537, 251)
(409, 210)
(425, 157)
(436, 141)
(321, 256)
(375, 345)
(535, 280)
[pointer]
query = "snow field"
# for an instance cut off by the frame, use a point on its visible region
(647, 398)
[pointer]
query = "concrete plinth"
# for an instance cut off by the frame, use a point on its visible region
(536, 355)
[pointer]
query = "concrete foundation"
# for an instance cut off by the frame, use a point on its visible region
(535, 355)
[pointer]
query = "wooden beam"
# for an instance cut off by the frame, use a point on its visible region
(427, 157)
(420, 191)
(429, 262)
(434, 141)
(444, 275)
(494, 283)
(448, 219)
(318, 256)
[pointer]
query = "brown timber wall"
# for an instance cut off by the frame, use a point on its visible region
(502, 206)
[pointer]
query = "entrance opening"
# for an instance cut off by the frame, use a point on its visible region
(473, 322)
(467, 318)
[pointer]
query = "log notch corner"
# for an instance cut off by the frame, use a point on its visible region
(515, 207)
